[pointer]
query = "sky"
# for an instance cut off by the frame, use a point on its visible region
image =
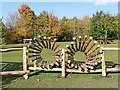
(69, 9)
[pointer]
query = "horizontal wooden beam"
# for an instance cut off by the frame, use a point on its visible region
(111, 49)
(76, 71)
(93, 71)
(11, 49)
(14, 72)
(38, 68)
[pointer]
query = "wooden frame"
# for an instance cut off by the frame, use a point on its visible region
(71, 52)
(104, 69)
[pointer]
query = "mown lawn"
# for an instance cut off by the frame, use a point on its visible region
(12, 60)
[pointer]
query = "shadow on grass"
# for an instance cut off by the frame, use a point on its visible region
(17, 66)
(11, 66)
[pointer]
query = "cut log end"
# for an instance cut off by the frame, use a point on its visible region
(95, 42)
(49, 38)
(39, 36)
(45, 37)
(55, 39)
(74, 38)
(67, 46)
(72, 42)
(98, 45)
(85, 36)
(79, 37)
(91, 38)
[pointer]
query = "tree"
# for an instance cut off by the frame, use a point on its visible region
(26, 22)
(42, 23)
(11, 28)
(48, 25)
(2, 32)
(54, 26)
(103, 25)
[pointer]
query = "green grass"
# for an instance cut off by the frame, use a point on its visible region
(12, 60)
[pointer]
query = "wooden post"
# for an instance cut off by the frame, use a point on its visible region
(103, 62)
(25, 62)
(63, 63)
(35, 65)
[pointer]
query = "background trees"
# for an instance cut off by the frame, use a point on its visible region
(103, 25)
(2, 32)
(25, 24)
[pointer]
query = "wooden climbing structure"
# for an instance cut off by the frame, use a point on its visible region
(63, 60)
(34, 52)
(90, 50)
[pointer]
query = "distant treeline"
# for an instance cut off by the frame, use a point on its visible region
(25, 24)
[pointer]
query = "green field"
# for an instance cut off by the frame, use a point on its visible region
(12, 60)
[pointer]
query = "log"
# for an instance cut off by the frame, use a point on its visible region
(98, 52)
(84, 68)
(49, 40)
(75, 40)
(79, 67)
(92, 63)
(88, 42)
(72, 64)
(69, 61)
(91, 46)
(109, 48)
(35, 59)
(70, 49)
(36, 46)
(68, 66)
(38, 42)
(55, 62)
(48, 66)
(103, 62)
(14, 72)
(56, 47)
(76, 71)
(95, 58)
(38, 68)
(53, 43)
(29, 51)
(80, 42)
(35, 65)
(69, 53)
(58, 50)
(52, 64)
(32, 56)
(91, 67)
(39, 60)
(73, 46)
(82, 48)
(98, 46)
(25, 59)
(41, 40)
(2, 50)
(32, 47)
(94, 71)
(57, 58)
(63, 63)
(57, 54)
(76, 66)
(40, 65)
(71, 58)
(45, 38)
(44, 64)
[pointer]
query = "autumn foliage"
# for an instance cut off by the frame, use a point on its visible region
(25, 24)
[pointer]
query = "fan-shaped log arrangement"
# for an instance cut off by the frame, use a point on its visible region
(90, 50)
(35, 49)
